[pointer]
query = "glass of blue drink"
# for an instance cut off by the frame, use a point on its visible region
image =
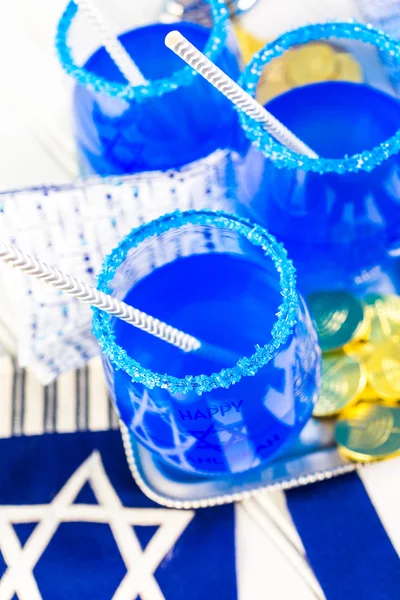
(175, 119)
(338, 215)
(228, 282)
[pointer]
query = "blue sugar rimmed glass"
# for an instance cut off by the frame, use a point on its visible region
(226, 280)
(176, 119)
(338, 215)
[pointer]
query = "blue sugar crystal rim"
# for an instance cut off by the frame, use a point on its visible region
(285, 158)
(158, 87)
(246, 366)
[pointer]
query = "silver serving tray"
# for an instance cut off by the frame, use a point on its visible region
(313, 457)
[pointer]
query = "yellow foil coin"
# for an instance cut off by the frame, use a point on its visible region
(362, 458)
(384, 312)
(275, 71)
(343, 379)
(272, 82)
(337, 316)
(362, 350)
(266, 90)
(363, 331)
(248, 43)
(348, 68)
(369, 432)
(384, 371)
(369, 394)
(311, 63)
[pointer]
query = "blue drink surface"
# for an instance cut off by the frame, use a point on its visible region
(339, 229)
(116, 136)
(227, 300)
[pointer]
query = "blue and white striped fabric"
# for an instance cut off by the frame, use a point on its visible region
(338, 539)
(76, 401)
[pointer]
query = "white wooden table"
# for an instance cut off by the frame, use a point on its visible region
(36, 146)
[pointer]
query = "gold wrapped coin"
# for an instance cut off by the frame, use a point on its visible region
(362, 350)
(369, 432)
(348, 69)
(369, 394)
(385, 316)
(275, 71)
(343, 379)
(311, 63)
(248, 43)
(384, 371)
(363, 331)
(272, 81)
(337, 315)
(266, 90)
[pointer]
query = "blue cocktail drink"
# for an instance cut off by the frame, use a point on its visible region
(339, 215)
(174, 120)
(226, 285)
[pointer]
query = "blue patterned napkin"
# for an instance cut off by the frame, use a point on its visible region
(73, 227)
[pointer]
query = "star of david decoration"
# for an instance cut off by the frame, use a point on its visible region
(222, 436)
(19, 580)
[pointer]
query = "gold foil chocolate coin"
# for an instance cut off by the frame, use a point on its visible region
(369, 394)
(272, 81)
(369, 432)
(266, 90)
(384, 371)
(343, 379)
(363, 331)
(384, 312)
(348, 69)
(311, 63)
(248, 43)
(362, 350)
(337, 316)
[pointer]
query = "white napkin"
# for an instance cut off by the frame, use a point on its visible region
(73, 227)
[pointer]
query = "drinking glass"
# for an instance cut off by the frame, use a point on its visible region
(338, 215)
(228, 282)
(174, 120)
